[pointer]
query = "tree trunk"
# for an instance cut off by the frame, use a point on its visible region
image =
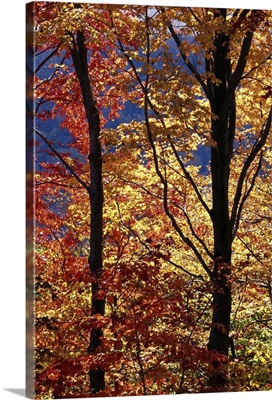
(223, 130)
(79, 56)
(219, 335)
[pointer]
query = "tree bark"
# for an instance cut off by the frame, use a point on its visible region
(223, 130)
(79, 55)
(219, 334)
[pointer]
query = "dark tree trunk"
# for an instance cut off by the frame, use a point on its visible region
(221, 96)
(79, 56)
(223, 130)
(219, 335)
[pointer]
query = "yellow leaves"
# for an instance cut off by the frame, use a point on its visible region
(61, 66)
(262, 359)
(212, 78)
(77, 215)
(136, 230)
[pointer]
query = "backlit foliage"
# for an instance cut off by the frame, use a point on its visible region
(158, 234)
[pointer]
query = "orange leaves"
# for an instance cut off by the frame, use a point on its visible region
(157, 299)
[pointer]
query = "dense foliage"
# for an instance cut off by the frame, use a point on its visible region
(177, 102)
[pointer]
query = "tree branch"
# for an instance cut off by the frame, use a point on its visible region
(57, 154)
(134, 233)
(248, 162)
(51, 182)
(245, 196)
(197, 237)
(237, 74)
(46, 59)
(164, 180)
(148, 102)
(144, 87)
(186, 59)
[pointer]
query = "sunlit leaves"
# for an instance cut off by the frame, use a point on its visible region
(158, 295)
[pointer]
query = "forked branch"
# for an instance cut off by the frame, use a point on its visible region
(256, 149)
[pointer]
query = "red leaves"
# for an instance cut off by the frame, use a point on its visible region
(57, 378)
(155, 327)
(268, 93)
(98, 321)
(249, 21)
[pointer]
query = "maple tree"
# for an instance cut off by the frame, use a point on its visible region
(144, 251)
(74, 40)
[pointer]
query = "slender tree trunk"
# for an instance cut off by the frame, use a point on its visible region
(79, 56)
(223, 130)
(219, 334)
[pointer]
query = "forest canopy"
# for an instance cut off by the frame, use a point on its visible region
(152, 199)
